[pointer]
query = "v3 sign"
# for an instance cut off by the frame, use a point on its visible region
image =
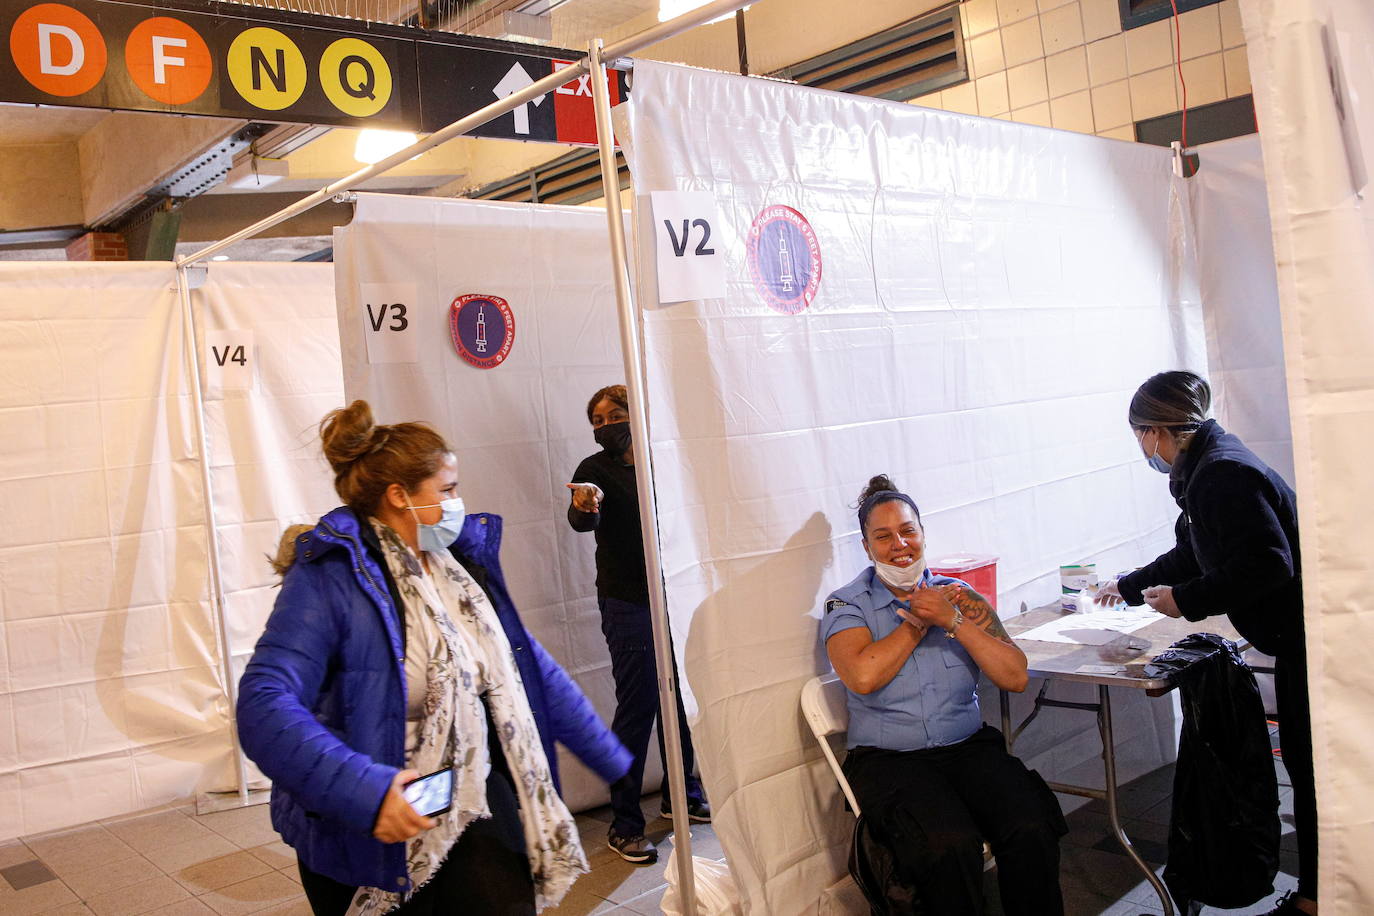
(456, 87)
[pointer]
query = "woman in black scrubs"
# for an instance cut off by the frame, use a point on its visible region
(1237, 554)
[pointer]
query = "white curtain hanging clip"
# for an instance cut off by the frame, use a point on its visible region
(1179, 153)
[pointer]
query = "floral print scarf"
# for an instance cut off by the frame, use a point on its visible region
(473, 658)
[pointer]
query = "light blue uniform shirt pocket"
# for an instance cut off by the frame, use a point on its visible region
(931, 702)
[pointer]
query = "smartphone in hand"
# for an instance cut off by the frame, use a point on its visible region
(431, 795)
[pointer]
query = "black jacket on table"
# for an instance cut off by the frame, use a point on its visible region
(1237, 550)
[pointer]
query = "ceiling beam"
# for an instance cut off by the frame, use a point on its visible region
(129, 152)
(39, 186)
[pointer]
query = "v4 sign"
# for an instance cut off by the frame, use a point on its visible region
(455, 88)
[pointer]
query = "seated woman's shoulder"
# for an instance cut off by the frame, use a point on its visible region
(853, 590)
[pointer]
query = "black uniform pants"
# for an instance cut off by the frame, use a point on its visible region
(486, 872)
(934, 808)
(630, 637)
(1295, 737)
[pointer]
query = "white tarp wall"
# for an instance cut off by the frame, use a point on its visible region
(267, 470)
(1241, 299)
(1312, 65)
(111, 695)
(519, 428)
(990, 295)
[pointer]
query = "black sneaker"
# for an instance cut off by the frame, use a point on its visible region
(697, 812)
(636, 849)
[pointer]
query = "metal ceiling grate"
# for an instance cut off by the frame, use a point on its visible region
(909, 60)
(571, 179)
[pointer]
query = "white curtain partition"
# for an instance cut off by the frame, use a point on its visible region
(989, 296)
(111, 695)
(267, 471)
(520, 427)
(1312, 64)
(1240, 298)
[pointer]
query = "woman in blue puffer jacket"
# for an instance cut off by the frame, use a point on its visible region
(394, 651)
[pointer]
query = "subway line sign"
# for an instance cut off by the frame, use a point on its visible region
(262, 65)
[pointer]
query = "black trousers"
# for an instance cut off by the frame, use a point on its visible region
(1295, 737)
(934, 808)
(630, 637)
(486, 872)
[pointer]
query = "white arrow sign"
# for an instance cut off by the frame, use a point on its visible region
(516, 79)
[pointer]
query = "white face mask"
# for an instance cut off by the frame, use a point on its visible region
(903, 578)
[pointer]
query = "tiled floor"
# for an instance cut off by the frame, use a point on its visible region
(174, 863)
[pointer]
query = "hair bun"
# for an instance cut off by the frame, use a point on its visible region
(348, 433)
(877, 484)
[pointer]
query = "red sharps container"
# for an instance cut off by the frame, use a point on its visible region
(978, 570)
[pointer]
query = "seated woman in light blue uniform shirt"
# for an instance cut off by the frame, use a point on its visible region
(932, 779)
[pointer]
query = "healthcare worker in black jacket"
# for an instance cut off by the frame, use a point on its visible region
(1237, 554)
(605, 499)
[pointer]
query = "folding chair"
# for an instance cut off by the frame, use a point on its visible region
(823, 705)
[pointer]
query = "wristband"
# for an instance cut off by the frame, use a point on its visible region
(958, 619)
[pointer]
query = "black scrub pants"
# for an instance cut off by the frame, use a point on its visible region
(630, 637)
(1295, 737)
(934, 808)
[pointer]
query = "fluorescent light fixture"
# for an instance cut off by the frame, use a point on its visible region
(220, 257)
(671, 9)
(376, 145)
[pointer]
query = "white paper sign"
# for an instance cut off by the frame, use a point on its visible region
(229, 360)
(1093, 628)
(691, 263)
(388, 324)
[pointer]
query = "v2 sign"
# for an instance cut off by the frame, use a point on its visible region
(388, 327)
(690, 265)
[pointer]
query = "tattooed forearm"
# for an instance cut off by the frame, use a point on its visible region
(977, 611)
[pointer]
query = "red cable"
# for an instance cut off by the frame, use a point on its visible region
(1178, 60)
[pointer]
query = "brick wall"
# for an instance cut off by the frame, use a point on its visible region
(98, 246)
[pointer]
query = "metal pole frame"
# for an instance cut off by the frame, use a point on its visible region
(631, 349)
(479, 117)
(226, 659)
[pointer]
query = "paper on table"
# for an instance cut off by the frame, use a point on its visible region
(1095, 628)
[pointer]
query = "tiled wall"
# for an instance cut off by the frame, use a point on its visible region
(1067, 64)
